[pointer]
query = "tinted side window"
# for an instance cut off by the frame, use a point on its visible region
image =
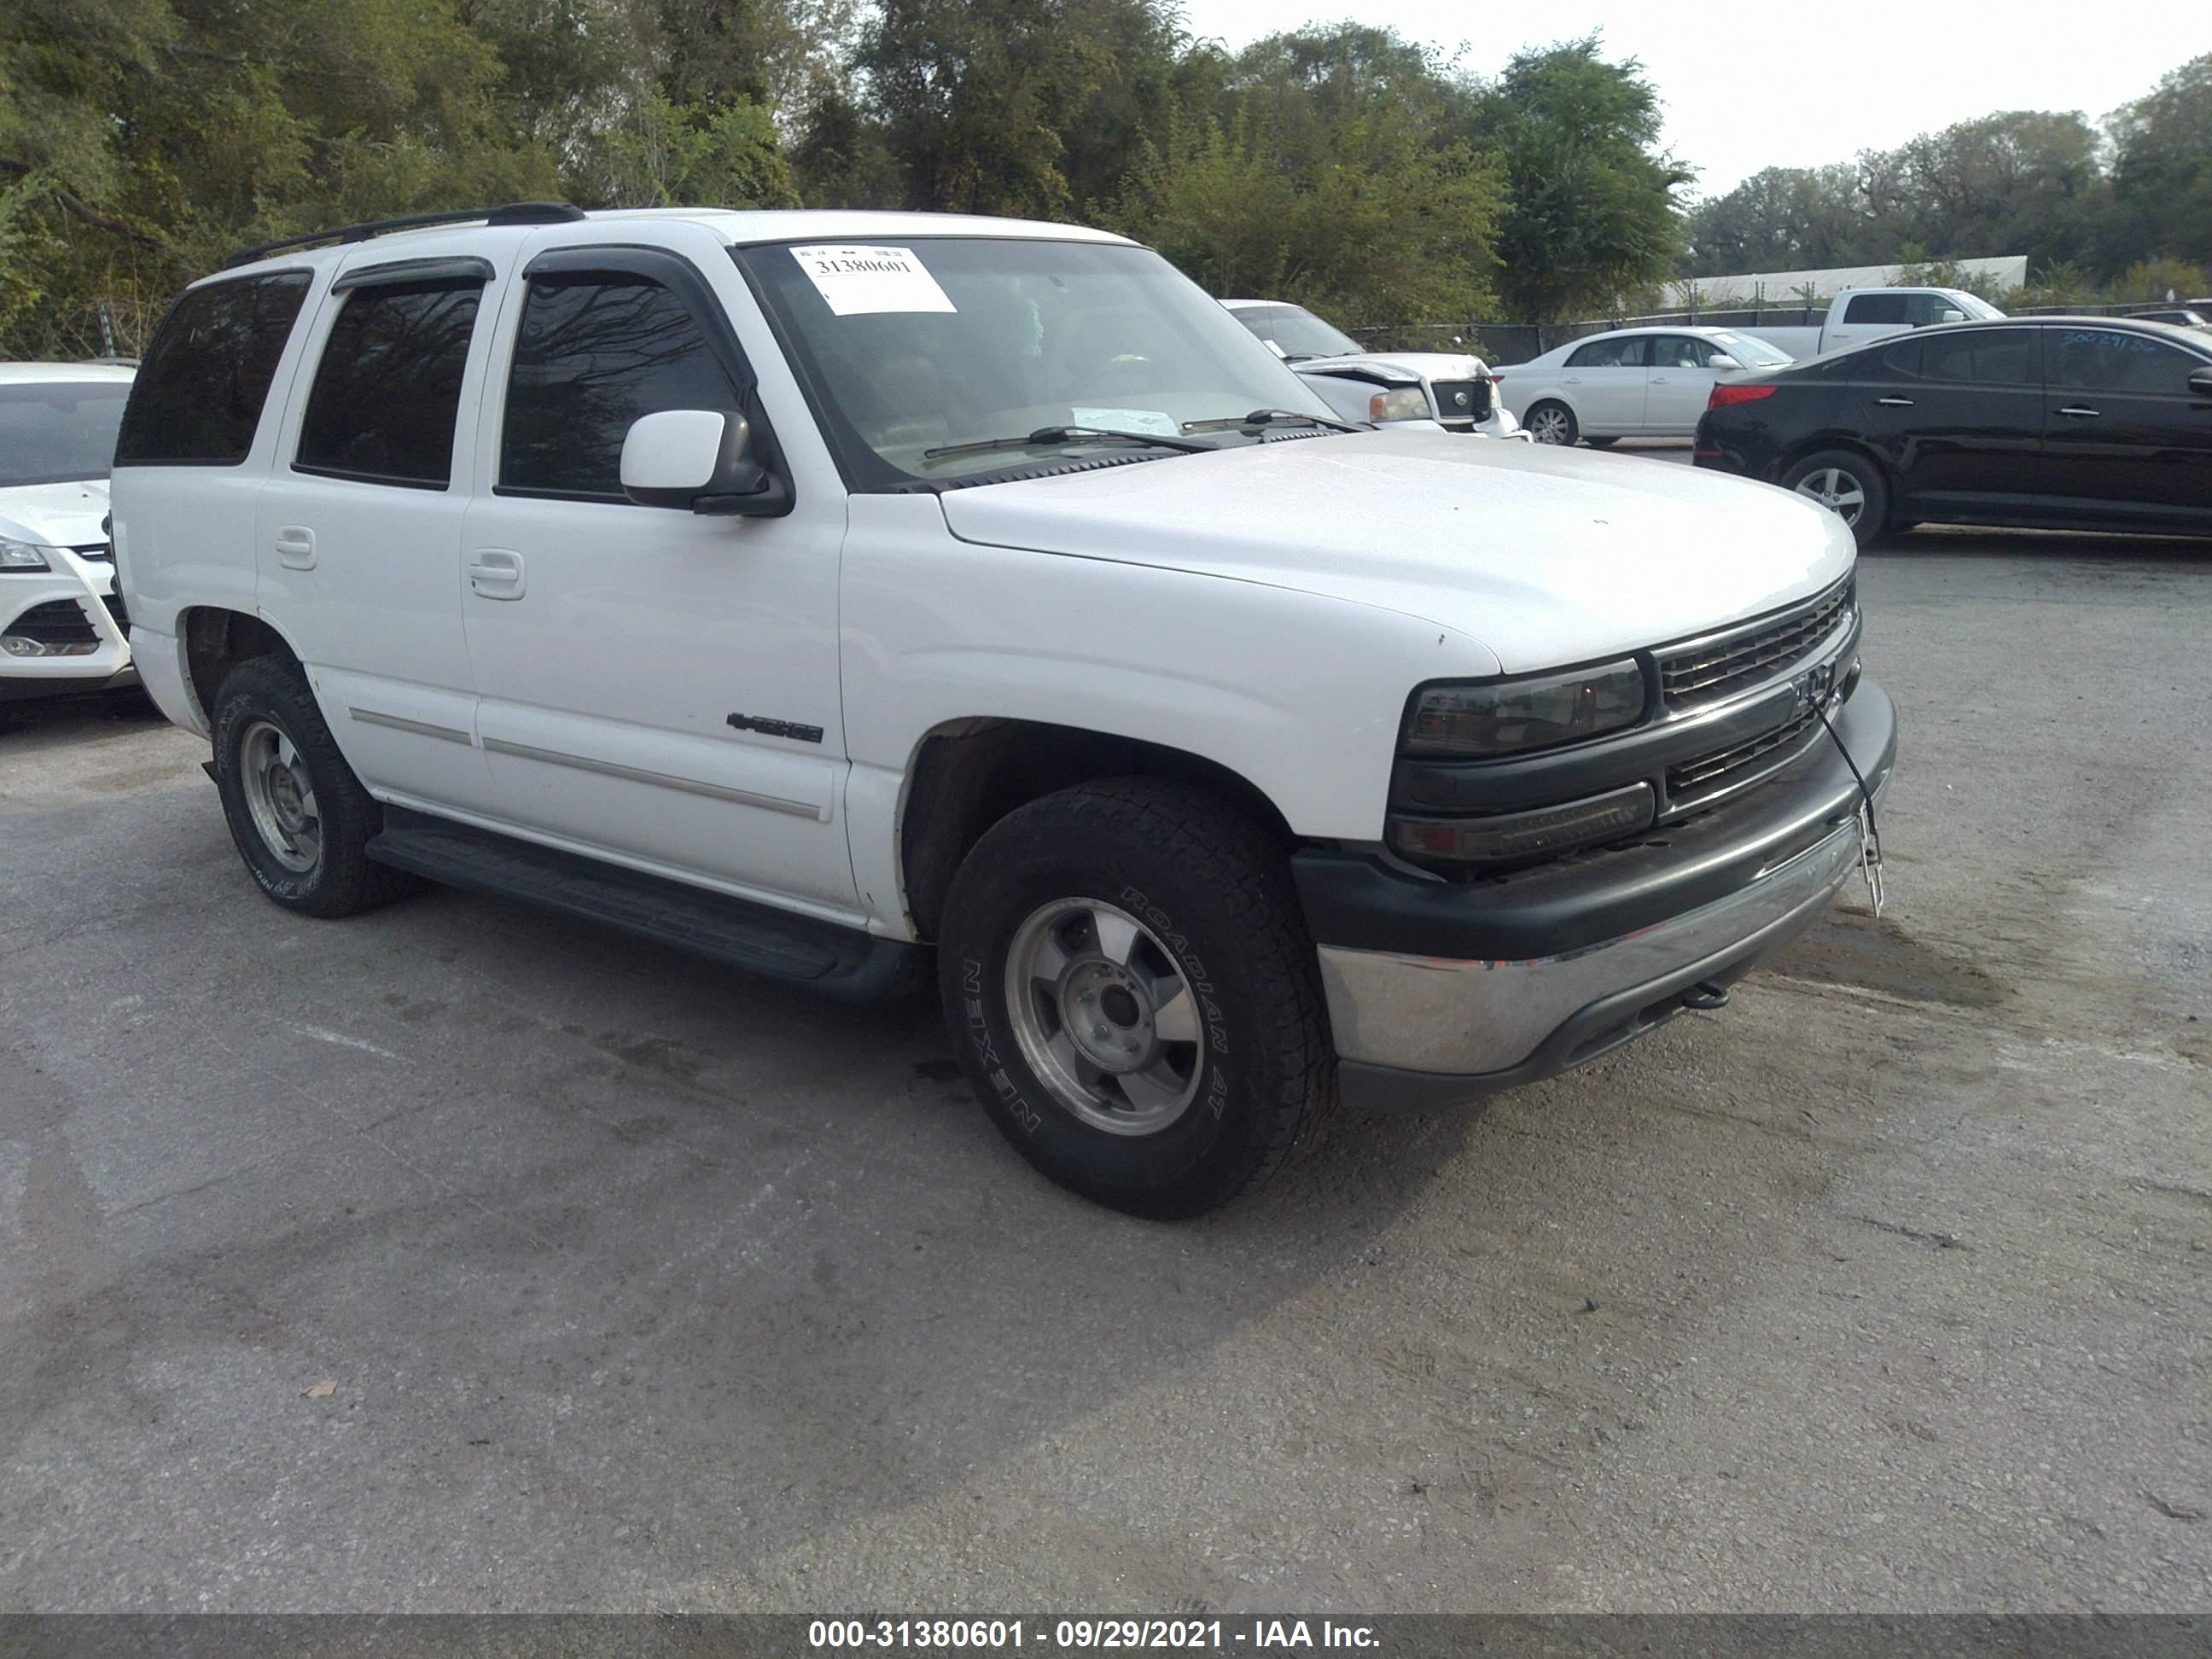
(2108, 360)
(1611, 354)
(1902, 361)
(199, 392)
(1680, 351)
(592, 355)
(1875, 308)
(1997, 356)
(389, 385)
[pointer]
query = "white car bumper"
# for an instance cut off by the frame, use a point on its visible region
(62, 629)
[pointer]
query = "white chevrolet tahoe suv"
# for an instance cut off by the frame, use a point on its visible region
(858, 598)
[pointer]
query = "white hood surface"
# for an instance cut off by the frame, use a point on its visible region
(1546, 556)
(55, 514)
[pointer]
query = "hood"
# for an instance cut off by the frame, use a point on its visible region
(58, 514)
(1398, 365)
(1545, 556)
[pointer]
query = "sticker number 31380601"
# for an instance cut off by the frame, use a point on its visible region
(857, 281)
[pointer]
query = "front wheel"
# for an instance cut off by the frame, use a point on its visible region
(1847, 484)
(1549, 422)
(1130, 987)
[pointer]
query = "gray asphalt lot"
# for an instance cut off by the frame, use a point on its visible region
(459, 1257)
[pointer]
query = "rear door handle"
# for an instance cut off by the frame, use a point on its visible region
(495, 573)
(295, 547)
(2076, 412)
(1894, 403)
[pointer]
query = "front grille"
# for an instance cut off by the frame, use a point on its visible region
(1449, 392)
(1709, 670)
(114, 604)
(1705, 777)
(58, 621)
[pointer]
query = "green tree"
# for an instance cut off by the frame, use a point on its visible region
(2162, 170)
(1590, 209)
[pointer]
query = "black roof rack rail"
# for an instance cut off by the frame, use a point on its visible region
(514, 213)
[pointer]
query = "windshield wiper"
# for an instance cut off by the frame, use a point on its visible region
(1045, 436)
(1259, 417)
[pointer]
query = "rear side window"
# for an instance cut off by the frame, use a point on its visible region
(1875, 308)
(1997, 356)
(389, 385)
(592, 355)
(2110, 359)
(1631, 352)
(199, 392)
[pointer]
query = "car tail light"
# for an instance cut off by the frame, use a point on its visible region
(1724, 395)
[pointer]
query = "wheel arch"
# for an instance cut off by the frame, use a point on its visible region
(964, 775)
(217, 639)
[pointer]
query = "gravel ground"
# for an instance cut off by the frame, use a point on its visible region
(457, 1257)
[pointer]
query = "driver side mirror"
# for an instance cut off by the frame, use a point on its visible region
(2200, 382)
(1950, 314)
(1720, 359)
(702, 459)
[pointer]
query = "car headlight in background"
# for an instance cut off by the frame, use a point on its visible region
(1511, 717)
(1404, 402)
(22, 555)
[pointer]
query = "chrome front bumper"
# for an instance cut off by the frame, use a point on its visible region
(1417, 1030)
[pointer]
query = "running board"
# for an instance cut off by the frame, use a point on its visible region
(838, 962)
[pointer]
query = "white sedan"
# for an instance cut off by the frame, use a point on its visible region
(1629, 383)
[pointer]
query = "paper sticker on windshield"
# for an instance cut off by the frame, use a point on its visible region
(1129, 420)
(858, 281)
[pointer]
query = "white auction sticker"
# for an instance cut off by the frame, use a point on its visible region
(857, 281)
(1129, 420)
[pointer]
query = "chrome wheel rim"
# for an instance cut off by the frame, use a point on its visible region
(1839, 491)
(1104, 1016)
(280, 797)
(1548, 426)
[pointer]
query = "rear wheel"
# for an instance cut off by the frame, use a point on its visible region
(1551, 422)
(299, 817)
(1847, 484)
(1130, 987)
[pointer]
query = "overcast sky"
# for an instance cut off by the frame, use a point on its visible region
(1777, 85)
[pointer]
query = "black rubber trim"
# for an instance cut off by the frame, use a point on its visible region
(838, 962)
(1357, 901)
(1599, 1028)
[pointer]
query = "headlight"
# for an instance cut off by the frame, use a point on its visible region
(22, 555)
(1405, 402)
(1510, 717)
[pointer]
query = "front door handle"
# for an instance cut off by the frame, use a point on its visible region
(2076, 412)
(1894, 403)
(295, 547)
(495, 573)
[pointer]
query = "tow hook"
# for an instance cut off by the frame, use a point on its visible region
(1705, 996)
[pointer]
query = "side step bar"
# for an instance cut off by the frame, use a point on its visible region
(837, 962)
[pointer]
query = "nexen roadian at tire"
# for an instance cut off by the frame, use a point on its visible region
(1130, 987)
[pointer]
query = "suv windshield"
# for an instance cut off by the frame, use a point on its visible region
(59, 431)
(937, 344)
(1298, 331)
